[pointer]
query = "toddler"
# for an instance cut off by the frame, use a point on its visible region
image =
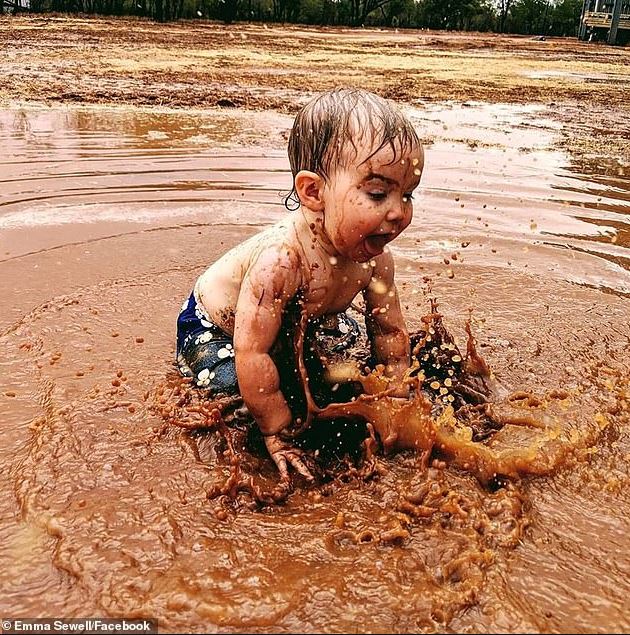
(355, 160)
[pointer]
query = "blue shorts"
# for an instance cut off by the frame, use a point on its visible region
(205, 352)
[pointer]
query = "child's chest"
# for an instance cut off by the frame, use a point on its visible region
(331, 289)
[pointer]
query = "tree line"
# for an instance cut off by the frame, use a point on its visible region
(533, 17)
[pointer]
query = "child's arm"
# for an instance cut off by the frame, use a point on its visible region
(385, 323)
(269, 284)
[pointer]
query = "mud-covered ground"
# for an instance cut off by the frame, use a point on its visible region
(114, 61)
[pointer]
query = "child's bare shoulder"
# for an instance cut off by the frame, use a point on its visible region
(267, 257)
(276, 266)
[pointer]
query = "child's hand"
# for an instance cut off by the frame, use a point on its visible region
(281, 452)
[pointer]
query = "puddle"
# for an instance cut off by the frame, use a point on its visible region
(96, 172)
(108, 215)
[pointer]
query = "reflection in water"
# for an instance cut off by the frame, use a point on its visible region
(492, 180)
(511, 196)
(100, 170)
(107, 216)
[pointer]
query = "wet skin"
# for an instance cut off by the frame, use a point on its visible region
(333, 248)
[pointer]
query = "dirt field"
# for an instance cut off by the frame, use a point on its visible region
(80, 60)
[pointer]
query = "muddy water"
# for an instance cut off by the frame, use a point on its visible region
(107, 217)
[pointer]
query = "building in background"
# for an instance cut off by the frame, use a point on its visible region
(605, 20)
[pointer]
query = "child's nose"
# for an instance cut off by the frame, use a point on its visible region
(395, 213)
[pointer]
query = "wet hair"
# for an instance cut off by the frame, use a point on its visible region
(326, 131)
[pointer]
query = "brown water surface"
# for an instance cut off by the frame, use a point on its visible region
(108, 216)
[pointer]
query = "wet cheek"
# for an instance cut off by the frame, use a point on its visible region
(355, 211)
(354, 198)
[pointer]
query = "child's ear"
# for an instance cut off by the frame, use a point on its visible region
(310, 190)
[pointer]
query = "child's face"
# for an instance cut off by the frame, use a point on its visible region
(366, 205)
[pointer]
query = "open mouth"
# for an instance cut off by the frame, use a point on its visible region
(375, 243)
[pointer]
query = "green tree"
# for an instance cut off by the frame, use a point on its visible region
(451, 14)
(310, 11)
(228, 10)
(529, 16)
(565, 18)
(398, 13)
(504, 7)
(361, 9)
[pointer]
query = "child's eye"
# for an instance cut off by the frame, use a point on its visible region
(408, 197)
(377, 196)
